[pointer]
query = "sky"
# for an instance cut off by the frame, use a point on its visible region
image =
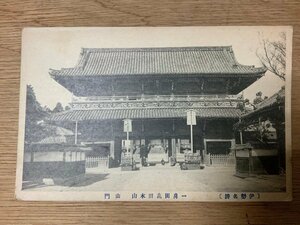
(56, 48)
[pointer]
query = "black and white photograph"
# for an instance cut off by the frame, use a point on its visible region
(155, 114)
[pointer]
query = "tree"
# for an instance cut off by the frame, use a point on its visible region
(58, 108)
(47, 109)
(272, 55)
(34, 114)
(258, 99)
(67, 108)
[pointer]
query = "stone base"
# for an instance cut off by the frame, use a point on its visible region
(126, 168)
(191, 166)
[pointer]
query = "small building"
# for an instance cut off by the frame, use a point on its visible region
(55, 157)
(263, 131)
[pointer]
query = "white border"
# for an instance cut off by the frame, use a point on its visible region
(192, 196)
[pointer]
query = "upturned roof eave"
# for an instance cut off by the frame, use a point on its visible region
(254, 73)
(269, 103)
(59, 116)
(223, 56)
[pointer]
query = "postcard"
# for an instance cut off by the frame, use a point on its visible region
(155, 114)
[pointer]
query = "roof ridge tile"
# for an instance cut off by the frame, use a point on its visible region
(160, 60)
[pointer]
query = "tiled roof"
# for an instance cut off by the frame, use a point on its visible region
(272, 100)
(276, 99)
(53, 140)
(56, 131)
(64, 132)
(143, 61)
(51, 134)
(106, 114)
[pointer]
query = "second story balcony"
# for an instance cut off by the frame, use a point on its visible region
(157, 101)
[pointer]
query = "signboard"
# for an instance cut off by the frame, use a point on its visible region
(127, 125)
(191, 117)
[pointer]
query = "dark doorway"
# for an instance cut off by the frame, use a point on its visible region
(218, 147)
(99, 150)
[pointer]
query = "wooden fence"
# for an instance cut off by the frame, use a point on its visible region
(220, 160)
(92, 162)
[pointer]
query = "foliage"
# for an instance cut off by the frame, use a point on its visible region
(35, 128)
(258, 99)
(58, 108)
(34, 114)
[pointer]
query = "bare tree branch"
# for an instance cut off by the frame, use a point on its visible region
(272, 55)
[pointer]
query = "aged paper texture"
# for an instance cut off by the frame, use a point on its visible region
(155, 114)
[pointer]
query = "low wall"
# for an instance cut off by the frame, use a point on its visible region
(62, 170)
(257, 165)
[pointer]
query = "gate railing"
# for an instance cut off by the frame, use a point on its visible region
(227, 160)
(92, 162)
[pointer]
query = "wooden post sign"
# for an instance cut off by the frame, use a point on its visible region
(191, 120)
(127, 129)
(191, 117)
(127, 125)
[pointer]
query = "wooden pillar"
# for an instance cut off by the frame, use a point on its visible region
(239, 82)
(227, 86)
(259, 127)
(143, 127)
(172, 87)
(203, 136)
(241, 133)
(64, 156)
(205, 147)
(143, 87)
(173, 126)
(192, 141)
(112, 149)
(241, 137)
(173, 147)
(112, 142)
(179, 145)
(202, 86)
(76, 131)
(157, 84)
(31, 156)
(173, 140)
(232, 144)
(112, 88)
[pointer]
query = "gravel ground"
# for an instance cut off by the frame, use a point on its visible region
(167, 178)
